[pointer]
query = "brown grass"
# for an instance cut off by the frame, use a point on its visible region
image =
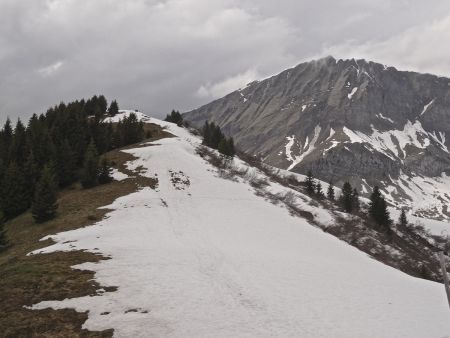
(26, 280)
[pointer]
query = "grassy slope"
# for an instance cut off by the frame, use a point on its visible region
(25, 280)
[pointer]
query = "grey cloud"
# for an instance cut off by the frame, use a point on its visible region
(159, 55)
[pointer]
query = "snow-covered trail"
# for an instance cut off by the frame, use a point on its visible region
(205, 257)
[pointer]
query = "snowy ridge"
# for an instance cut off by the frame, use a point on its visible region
(126, 113)
(212, 259)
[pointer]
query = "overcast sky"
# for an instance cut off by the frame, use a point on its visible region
(158, 55)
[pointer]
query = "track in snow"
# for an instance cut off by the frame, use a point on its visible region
(214, 260)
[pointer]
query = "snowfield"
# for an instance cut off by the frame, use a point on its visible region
(202, 256)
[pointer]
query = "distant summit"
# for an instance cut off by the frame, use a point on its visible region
(351, 120)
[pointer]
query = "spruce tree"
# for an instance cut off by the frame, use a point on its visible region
(216, 136)
(175, 117)
(310, 183)
(378, 209)
(105, 171)
(347, 197)
(330, 192)
(89, 177)
(403, 220)
(15, 197)
(355, 200)
(45, 197)
(230, 146)
(319, 191)
(102, 104)
(206, 134)
(113, 108)
(3, 238)
(31, 173)
(226, 146)
(65, 164)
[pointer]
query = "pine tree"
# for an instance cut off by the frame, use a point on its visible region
(89, 177)
(14, 196)
(3, 238)
(105, 171)
(102, 104)
(6, 136)
(346, 198)
(65, 164)
(378, 209)
(31, 173)
(319, 191)
(231, 150)
(223, 146)
(216, 136)
(226, 146)
(113, 108)
(310, 183)
(403, 220)
(330, 192)
(355, 200)
(175, 117)
(45, 197)
(206, 134)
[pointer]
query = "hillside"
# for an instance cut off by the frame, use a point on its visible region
(204, 254)
(348, 120)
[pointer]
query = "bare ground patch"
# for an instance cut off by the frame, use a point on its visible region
(26, 280)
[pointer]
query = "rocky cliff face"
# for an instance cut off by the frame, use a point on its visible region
(346, 120)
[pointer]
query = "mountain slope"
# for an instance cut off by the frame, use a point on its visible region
(202, 256)
(348, 120)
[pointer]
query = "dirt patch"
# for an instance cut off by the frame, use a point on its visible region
(26, 280)
(179, 180)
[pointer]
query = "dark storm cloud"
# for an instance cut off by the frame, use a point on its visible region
(159, 55)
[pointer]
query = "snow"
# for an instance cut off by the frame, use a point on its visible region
(215, 260)
(126, 113)
(304, 107)
(424, 194)
(381, 116)
(307, 149)
(383, 141)
(352, 93)
(118, 175)
(425, 108)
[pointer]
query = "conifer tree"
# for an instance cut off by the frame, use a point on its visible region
(310, 183)
(3, 238)
(330, 192)
(65, 164)
(89, 177)
(403, 220)
(230, 147)
(347, 197)
(216, 136)
(226, 146)
(6, 136)
(19, 147)
(355, 200)
(31, 173)
(113, 108)
(319, 191)
(175, 117)
(206, 134)
(105, 171)
(14, 196)
(45, 197)
(378, 209)
(102, 104)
